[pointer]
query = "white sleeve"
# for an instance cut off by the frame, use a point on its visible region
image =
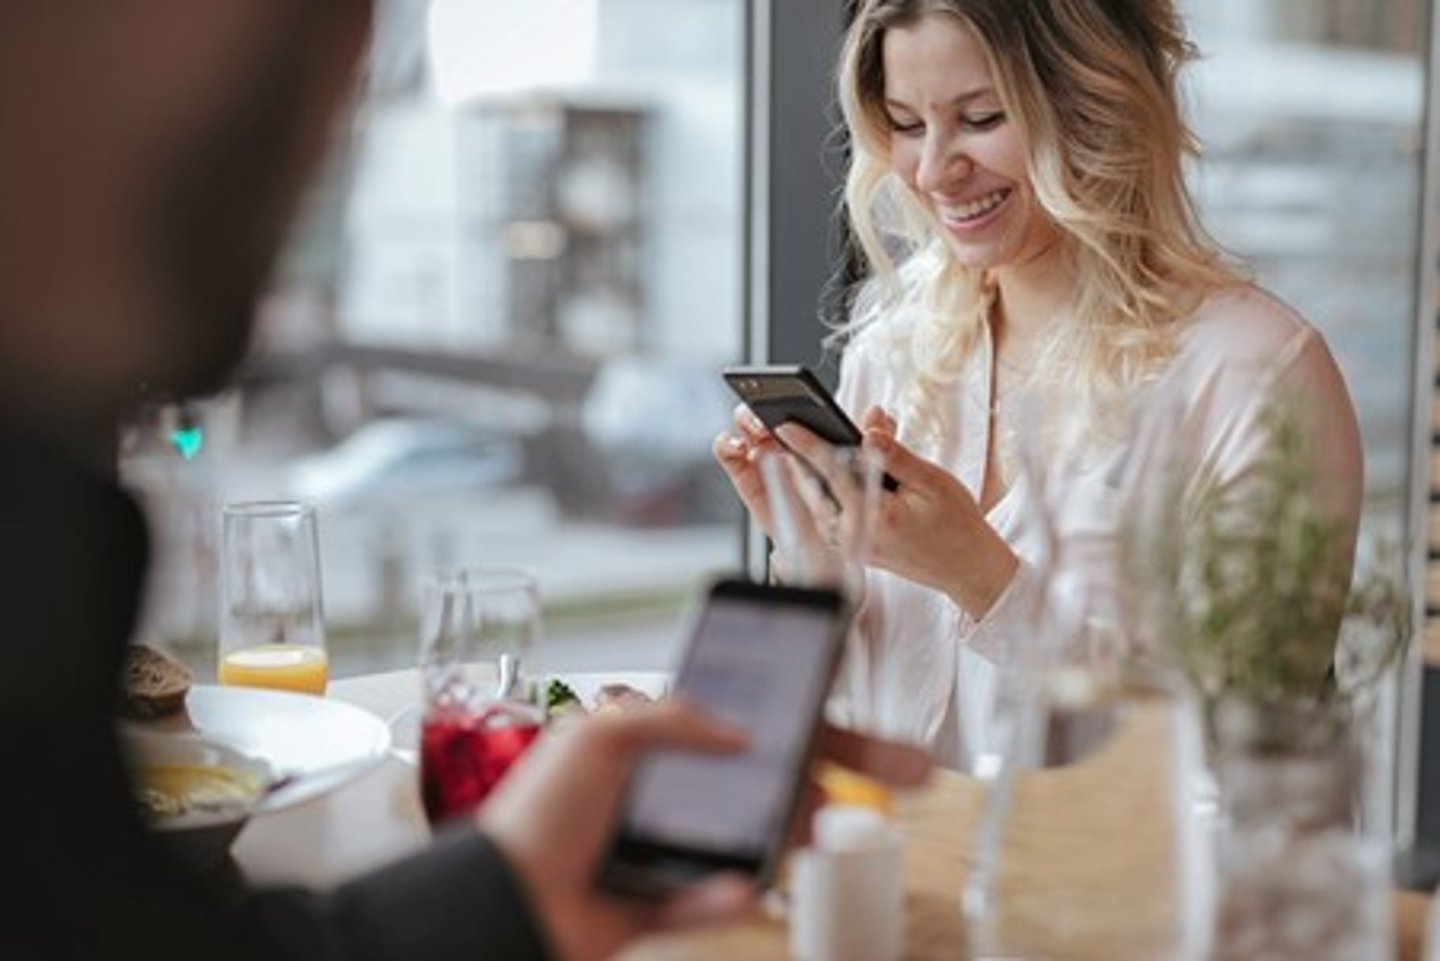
(1237, 433)
(1010, 620)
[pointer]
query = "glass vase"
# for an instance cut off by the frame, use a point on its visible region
(1301, 874)
(1091, 845)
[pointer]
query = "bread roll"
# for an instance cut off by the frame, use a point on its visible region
(155, 683)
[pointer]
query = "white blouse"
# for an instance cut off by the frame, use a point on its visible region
(919, 667)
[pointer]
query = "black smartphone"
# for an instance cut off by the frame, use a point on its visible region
(763, 657)
(780, 393)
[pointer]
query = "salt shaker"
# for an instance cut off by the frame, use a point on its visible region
(847, 889)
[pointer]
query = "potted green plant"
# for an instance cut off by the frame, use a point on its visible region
(1286, 631)
(1250, 587)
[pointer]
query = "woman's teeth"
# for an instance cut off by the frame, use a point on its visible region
(974, 209)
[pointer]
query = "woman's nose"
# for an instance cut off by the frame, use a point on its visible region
(942, 161)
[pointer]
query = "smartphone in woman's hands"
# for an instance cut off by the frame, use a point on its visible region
(790, 393)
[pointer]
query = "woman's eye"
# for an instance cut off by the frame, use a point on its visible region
(984, 121)
(905, 129)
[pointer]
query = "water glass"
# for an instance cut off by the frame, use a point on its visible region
(823, 514)
(272, 622)
(477, 625)
(1091, 737)
(1097, 755)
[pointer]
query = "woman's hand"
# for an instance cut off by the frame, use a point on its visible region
(930, 529)
(739, 451)
(819, 530)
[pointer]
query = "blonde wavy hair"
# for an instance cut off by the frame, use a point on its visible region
(1093, 86)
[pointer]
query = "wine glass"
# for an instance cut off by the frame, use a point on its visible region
(823, 512)
(272, 623)
(1089, 707)
(477, 718)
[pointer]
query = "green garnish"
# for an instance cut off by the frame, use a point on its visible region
(559, 697)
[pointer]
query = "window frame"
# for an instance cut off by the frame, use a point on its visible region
(1417, 775)
(793, 181)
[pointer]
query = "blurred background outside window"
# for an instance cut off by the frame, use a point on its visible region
(1311, 115)
(496, 338)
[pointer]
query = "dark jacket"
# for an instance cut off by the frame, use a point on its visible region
(89, 880)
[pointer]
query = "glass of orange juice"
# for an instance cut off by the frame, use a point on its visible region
(272, 622)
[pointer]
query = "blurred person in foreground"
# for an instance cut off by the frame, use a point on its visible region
(152, 153)
(1037, 274)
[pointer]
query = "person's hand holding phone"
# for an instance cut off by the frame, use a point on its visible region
(553, 816)
(741, 449)
(931, 529)
(738, 451)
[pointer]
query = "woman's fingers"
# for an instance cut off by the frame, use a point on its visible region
(738, 458)
(750, 426)
(730, 448)
(877, 418)
(908, 468)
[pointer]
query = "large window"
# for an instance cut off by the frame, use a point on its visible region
(497, 335)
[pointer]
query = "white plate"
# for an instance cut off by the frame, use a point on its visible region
(316, 742)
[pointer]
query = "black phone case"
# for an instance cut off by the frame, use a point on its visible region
(779, 394)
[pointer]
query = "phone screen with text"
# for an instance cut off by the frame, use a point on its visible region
(764, 667)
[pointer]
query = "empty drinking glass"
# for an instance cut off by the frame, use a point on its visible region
(1095, 737)
(1430, 937)
(1096, 755)
(822, 514)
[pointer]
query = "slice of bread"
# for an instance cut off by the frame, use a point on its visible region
(155, 683)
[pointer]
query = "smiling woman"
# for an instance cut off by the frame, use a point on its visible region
(953, 143)
(1016, 188)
